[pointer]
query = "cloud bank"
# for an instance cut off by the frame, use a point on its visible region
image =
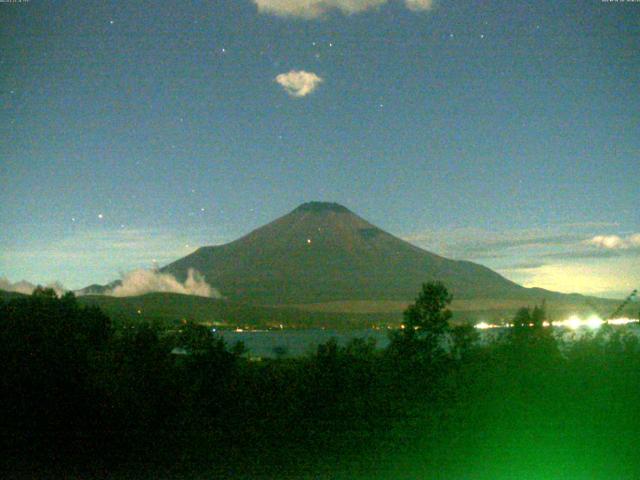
(141, 281)
(27, 287)
(615, 242)
(136, 282)
(299, 83)
(311, 9)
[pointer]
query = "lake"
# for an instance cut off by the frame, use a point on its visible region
(294, 343)
(298, 342)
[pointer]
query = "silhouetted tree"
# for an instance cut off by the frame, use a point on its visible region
(529, 338)
(538, 316)
(521, 321)
(429, 313)
(280, 351)
(48, 345)
(426, 323)
(464, 338)
(207, 371)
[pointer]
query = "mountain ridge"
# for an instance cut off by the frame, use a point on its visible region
(322, 251)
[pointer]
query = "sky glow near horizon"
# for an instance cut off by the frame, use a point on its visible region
(505, 133)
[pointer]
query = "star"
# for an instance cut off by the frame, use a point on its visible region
(100, 216)
(111, 22)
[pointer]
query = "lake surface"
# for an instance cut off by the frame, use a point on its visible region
(298, 342)
(294, 343)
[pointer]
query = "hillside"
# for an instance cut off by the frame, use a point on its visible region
(171, 308)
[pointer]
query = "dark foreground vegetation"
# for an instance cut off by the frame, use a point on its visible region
(84, 398)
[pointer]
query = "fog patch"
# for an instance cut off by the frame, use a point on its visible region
(141, 281)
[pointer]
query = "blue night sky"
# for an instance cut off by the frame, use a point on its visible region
(505, 132)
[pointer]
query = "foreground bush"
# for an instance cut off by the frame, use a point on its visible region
(79, 394)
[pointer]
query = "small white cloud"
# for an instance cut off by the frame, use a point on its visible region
(615, 242)
(606, 241)
(419, 5)
(310, 9)
(139, 282)
(299, 83)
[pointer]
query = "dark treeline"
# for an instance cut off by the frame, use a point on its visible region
(83, 397)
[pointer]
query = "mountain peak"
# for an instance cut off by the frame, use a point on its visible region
(320, 207)
(323, 252)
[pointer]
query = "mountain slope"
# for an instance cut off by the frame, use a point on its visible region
(323, 252)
